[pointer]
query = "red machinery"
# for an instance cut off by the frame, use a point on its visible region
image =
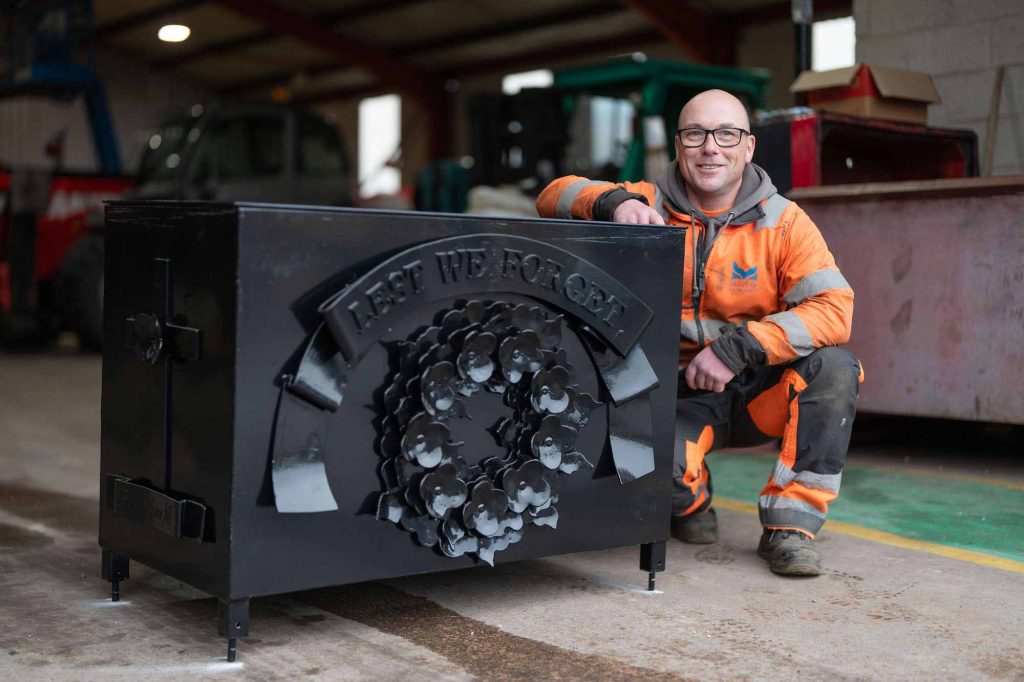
(51, 269)
(804, 148)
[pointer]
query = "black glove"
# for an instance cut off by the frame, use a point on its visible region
(738, 349)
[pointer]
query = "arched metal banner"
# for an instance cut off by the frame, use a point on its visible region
(459, 266)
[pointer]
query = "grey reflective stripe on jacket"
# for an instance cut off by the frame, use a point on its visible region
(710, 327)
(783, 476)
(814, 284)
(773, 209)
(796, 331)
(564, 207)
(659, 204)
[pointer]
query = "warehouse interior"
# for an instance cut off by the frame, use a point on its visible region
(897, 126)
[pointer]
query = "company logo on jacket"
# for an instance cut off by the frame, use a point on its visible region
(744, 280)
(740, 273)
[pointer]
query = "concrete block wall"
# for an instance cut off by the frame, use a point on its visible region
(960, 43)
(770, 46)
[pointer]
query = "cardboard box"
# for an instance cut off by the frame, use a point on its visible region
(870, 91)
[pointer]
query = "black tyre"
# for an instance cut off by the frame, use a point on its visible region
(80, 291)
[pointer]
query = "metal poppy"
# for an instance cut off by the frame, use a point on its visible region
(424, 441)
(462, 470)
(550, 333)
(543, 517)
(439, 352)
(548, 390)
(442, 490)
(498, 386)
(438, 390)
(474, 361)
(577, 413)
(404, 470)
(488, 546)
(520, 354)
(486, 512)
(422, 526)
(526, 486)
(552, 441)
(535, 319)
(573, 462)
(498, 320)
(467, 387)
(390, 506)
(455, 541)
(413, 501)
(470, 313)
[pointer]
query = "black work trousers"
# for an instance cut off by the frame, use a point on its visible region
(809, 403)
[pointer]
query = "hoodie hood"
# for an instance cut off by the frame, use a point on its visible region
(755, 187)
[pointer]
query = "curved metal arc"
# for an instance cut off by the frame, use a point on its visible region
(472, 265)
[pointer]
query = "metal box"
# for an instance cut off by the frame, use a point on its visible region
(298, 397)
(801, 148)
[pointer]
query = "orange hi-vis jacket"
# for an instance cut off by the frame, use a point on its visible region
(759, 283)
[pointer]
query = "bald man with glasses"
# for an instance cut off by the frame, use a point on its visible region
(764, 309)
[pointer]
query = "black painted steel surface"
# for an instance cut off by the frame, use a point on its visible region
(224, 406)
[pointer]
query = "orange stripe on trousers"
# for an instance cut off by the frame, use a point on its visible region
(696, 475)
(770, 410)
(816, 497)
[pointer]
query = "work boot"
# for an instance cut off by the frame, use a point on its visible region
(696, 529)
(789, 552)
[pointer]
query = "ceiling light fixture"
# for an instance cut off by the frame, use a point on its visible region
(173, 33)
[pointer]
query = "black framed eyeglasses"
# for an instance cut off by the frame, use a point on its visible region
(724, 137)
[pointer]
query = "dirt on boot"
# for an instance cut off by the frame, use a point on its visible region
(789, 553)
(696, 529)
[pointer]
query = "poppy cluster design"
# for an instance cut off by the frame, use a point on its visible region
(430, 491)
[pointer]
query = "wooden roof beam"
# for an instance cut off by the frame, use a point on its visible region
(704, 37)
(426, 88)
(532, 59)
(559, 17)
(391, 71)
(367, 8)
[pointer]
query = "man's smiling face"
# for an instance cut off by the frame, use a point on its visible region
(713, 173)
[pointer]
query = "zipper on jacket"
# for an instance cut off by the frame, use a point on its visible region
(698, 274)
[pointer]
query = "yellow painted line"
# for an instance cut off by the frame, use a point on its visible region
(884, 538)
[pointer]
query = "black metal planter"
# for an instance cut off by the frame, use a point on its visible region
(301, 397)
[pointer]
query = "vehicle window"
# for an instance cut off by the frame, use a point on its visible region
(600, 131)
(319, 148)
(250, 146)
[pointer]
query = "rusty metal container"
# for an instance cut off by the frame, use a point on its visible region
(938, 271)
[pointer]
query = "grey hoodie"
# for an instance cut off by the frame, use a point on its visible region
(755, 187)
(737, 348)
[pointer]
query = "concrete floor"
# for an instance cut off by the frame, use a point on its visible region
(879, 612)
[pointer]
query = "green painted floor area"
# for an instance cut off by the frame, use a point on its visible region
(966, 514)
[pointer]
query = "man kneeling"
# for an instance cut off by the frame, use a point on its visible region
(763, 308)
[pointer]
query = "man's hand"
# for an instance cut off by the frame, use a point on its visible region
(707, 372)
(636, 212)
